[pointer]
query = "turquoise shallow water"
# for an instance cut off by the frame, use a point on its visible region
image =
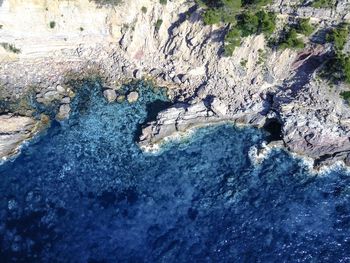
(84, 192)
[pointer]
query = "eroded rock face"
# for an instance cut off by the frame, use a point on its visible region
(14, 130)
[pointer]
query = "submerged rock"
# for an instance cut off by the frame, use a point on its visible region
(120, 98)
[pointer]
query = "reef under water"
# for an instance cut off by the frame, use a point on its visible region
(83, 191)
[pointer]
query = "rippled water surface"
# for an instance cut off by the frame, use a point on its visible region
(84, 192)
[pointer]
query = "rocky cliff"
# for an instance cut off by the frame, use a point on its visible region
(170, 44)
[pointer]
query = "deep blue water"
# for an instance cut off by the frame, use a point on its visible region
(84, 192)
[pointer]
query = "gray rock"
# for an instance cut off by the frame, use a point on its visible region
(60, 89)
(65, 100)
(138, 74)
(177, 80)
(155, 72)
(183, 78)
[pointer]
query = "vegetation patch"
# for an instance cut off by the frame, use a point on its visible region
(244, 18)
(345, 95)
(323, 3)
(339, 36)
(158, 24)
(290, 39)
(11, 48)
(337, 68)
(304, 27)
(52, 24)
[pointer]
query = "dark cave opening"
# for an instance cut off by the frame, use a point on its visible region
(274, 127)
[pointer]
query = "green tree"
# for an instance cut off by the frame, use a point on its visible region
(267, 22)
(248, 23)
(211, 17)
(339, 36)
(232, 40)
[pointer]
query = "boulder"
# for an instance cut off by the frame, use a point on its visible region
(132, 97)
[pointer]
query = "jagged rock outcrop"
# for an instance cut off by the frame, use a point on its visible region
(182, 116)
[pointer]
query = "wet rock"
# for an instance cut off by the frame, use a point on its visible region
(63, 112)
(110, 95)
(132, 97)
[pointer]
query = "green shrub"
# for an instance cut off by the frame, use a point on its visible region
(345, 95)
(163, 2)
(323, 3)
(144, 9)
(248, 23)
(257, 2)
(267, 22)
(211, 17)
(338, 36)
(158, 24)
(304, 27)
(345, 67)
(52, 24)
(10, 47)
(232, 40)
(254, 23)
(220, 11)
(291, 40)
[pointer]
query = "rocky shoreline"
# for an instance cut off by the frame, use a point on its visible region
(255, 86)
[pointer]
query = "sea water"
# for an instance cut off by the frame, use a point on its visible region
(83, 191)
